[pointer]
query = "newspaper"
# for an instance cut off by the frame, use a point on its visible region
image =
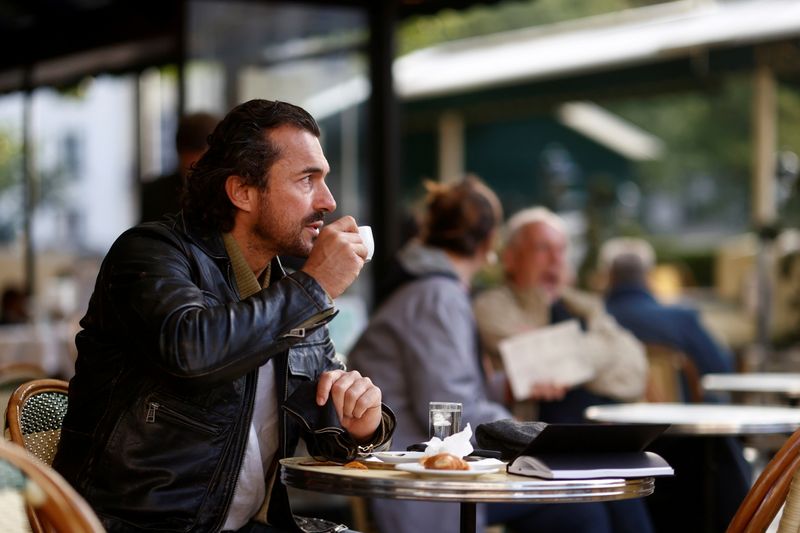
(553, 354)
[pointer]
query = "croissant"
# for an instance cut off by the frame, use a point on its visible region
(444, 461)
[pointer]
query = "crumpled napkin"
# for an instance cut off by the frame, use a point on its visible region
(458, 444)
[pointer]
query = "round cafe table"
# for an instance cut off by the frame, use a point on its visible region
(782, 383)
(308, 474)
(701, 419)
(705, 421)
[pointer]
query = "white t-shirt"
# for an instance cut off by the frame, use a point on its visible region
(262, 444)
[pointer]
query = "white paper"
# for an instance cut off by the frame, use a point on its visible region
(553, 354)
(458, 444)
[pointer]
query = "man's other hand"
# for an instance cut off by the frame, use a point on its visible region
(337, 256)
(547, 391)
(356, 399)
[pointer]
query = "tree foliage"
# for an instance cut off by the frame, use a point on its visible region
(10, 187)
(421, 32)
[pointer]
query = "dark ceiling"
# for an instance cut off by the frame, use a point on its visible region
(66, 39)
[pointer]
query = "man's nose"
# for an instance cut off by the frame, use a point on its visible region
(324, 200)
(557, 256)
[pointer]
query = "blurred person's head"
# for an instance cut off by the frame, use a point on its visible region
(14, 306)
(535, 254)
(626, 261)
(191, 138)
(462, 219)
(245, 145)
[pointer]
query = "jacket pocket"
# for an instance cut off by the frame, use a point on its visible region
(307, 360)
(157, 409)
(161, 459)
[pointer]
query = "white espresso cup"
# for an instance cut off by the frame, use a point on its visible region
(369, 241)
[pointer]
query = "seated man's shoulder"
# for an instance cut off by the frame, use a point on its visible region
(582, 302)
(493, 298)
(677, 312)
(148, 238)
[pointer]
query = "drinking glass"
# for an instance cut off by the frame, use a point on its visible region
(444, 419)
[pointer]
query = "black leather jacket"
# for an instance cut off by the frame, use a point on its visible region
(163, 393)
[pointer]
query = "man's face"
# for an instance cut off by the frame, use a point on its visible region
(537, 258)
(296, 198)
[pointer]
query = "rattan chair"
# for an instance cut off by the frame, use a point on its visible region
(34, 416)
(790, 519)
(670, 369)
(769, 492)
(27, 482)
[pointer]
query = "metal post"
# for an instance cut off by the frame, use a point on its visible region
(384, 127)
(28, 187)
(469, 521)
(182, 38)
(451, 147)
(764, 206)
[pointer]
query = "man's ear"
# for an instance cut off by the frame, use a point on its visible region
(240, 194)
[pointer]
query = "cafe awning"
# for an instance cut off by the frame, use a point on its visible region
(701, 35)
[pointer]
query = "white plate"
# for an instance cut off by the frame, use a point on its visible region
(418, 469)
(486, 464)
(399, 457)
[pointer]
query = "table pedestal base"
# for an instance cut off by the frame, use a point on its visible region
(468, 517)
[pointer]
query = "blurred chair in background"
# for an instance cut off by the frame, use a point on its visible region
(672, 376)
(52, 504)
(35, 414)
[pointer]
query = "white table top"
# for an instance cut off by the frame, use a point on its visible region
(784, 383)
(702, 419)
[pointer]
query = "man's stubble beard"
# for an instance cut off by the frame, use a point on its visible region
(268, 230)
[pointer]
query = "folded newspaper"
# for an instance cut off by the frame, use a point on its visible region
(555, 354)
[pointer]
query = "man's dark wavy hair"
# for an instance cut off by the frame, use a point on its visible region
(240, 146)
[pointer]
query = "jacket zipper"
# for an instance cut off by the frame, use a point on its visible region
(153, 409)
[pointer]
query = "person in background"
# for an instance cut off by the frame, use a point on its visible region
(421, 345)
(627, 262)
(195, 340)
(14, 308)
(163, 194)
(536, 293)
